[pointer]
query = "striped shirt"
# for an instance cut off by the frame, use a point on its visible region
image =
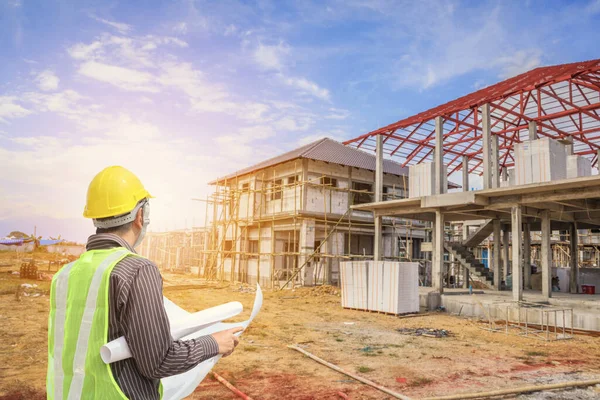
(136, 311)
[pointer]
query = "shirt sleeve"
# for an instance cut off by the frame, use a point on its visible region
(148, 333)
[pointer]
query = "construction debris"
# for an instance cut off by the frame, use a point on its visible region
(435, 333)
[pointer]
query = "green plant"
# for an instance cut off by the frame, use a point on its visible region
(536, 353)
(363, 369)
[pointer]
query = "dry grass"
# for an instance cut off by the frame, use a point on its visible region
(471, 360)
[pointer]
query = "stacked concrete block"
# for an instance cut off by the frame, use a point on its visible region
(578, 166)
(354, 284)
(421, 180)
(387, 286)
(541, 160)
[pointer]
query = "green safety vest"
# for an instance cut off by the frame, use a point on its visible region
(78, 328)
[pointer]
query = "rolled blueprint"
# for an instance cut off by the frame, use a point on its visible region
(182, 323)
(177, 387)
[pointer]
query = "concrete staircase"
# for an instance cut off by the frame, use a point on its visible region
(480, 234)
(463, 255)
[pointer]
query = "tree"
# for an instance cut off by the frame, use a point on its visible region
(18, 235)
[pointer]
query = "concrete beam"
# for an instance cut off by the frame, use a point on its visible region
(496, 253)
(486, 148)
(574, 264)
(439, 155)
(453, 199)
(517, 270)
(465, 168)
(437, 267)
(527, 255)
(546, 256)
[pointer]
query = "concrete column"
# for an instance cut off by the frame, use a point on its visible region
(486, 146)
(495, 162)
(439, 155)
(496, 254)
(574, 278)
(527, 256)
(378, 239)
(307, 247)
(598, 160)
(569, 145)
(517, 274)
(465, 168)
(533, 135)
(437, 265)
(546, 255)
(505, 248)
(379, 168)
(504, 174)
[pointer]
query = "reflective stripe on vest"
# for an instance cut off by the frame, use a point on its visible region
(62, 286)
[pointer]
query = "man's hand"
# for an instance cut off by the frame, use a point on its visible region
(227, 341)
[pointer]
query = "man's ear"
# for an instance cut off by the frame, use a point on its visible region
(139, 218)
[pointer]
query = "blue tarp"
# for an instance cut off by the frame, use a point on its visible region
(49, 242)
(484, 258)
(12, 242)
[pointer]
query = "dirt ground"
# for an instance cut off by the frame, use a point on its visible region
(469, 360)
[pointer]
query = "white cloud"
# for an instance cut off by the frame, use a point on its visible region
(307, 87)
(521, 61)
(181, 28)
(124, 78)
(47, 80)
(37, 141)
(294, 124)
(10, 109)
(125, 51)
(335, 134)
(337, 114)
(438, 53)
(121, 27)
(230, 30)
(271, 57)
(593, 7)
(82, 51)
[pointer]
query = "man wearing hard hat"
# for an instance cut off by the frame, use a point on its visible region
(111, 292)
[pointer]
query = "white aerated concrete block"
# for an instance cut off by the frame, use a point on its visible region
(540, 160)
(391, 287)
(578, 166)
(421, 180)
(354, 284)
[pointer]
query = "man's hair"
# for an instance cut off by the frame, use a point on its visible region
(117, 230)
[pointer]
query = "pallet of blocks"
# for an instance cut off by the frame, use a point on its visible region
(385, 286)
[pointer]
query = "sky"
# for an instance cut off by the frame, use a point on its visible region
(182, 92)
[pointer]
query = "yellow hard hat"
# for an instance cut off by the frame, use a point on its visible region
(114, 191)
